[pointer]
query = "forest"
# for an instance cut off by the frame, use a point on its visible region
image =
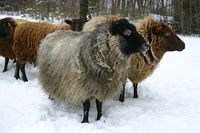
(184, 15)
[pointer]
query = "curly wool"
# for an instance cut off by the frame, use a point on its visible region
(27, 38)
(92, 65)
(140, 69)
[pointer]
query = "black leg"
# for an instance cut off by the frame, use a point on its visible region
(24, 78)
(135, 94)
(17, 70)
(86, 108)
(99, 109)
(121, 97)
(6, 65)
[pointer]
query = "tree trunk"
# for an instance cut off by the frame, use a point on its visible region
(83, 9)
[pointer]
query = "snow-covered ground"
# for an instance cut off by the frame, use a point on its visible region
(169, 102)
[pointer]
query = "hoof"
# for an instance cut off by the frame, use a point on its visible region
(135, 96)
(98, 118)
(84, 121)
(121, 98)
(17, 77)
(24, 79)
(4, 70)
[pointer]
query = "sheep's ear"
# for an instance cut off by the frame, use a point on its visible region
(119, 26)
(68, 21)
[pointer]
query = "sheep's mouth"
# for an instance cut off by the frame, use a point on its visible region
(181, 48)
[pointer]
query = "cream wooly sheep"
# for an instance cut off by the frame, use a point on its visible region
(162, 39)
(7, 27)
(77, 66)
(27, 38)
(18, 21)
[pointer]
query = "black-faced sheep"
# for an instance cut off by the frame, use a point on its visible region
(7, 27)
(18, 21)
(77, 66)
(27, 38)
(162, 39)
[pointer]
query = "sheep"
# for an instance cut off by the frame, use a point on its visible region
(76, 23)
(27, 38)
(7, 27)
(75, 67)
(162, 39)
(18, 21)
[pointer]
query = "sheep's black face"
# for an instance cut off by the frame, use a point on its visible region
(7, 26)
(76, 24)
(130, 40)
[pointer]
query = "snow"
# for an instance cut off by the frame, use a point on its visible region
(168, 102)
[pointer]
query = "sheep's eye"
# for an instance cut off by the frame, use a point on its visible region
(6, 25)
(127, 32)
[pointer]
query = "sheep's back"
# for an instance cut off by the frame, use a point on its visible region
(27, 38)
(20, 21)
(94, 22)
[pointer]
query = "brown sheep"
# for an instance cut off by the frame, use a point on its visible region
(162, 39)
(18, 21)
(27, 38)
(7, 27)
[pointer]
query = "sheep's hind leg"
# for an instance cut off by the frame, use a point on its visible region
(86, 108)
(135, 93)
(6, 65)
(17, 71)
(24, 78)
(121, 97)
(99, 109)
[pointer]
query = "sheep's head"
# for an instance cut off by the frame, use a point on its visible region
(130, 40)
(76, 24)
(7, 26)
(166, 38)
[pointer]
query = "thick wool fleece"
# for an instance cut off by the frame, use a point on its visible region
(27, 38)
(77, 66)
(162, 39)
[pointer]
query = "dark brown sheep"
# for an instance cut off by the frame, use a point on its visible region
(7, 27)
(162, 39)
(18, 21)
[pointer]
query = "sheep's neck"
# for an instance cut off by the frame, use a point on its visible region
(157, 49)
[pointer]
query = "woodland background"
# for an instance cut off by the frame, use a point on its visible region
(184, 15)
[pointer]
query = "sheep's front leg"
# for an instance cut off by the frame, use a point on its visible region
(135, 94)
(6, 65)
(121, 97)
(99, 109)
(86, 108)
(17, 70)
(24, 78)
